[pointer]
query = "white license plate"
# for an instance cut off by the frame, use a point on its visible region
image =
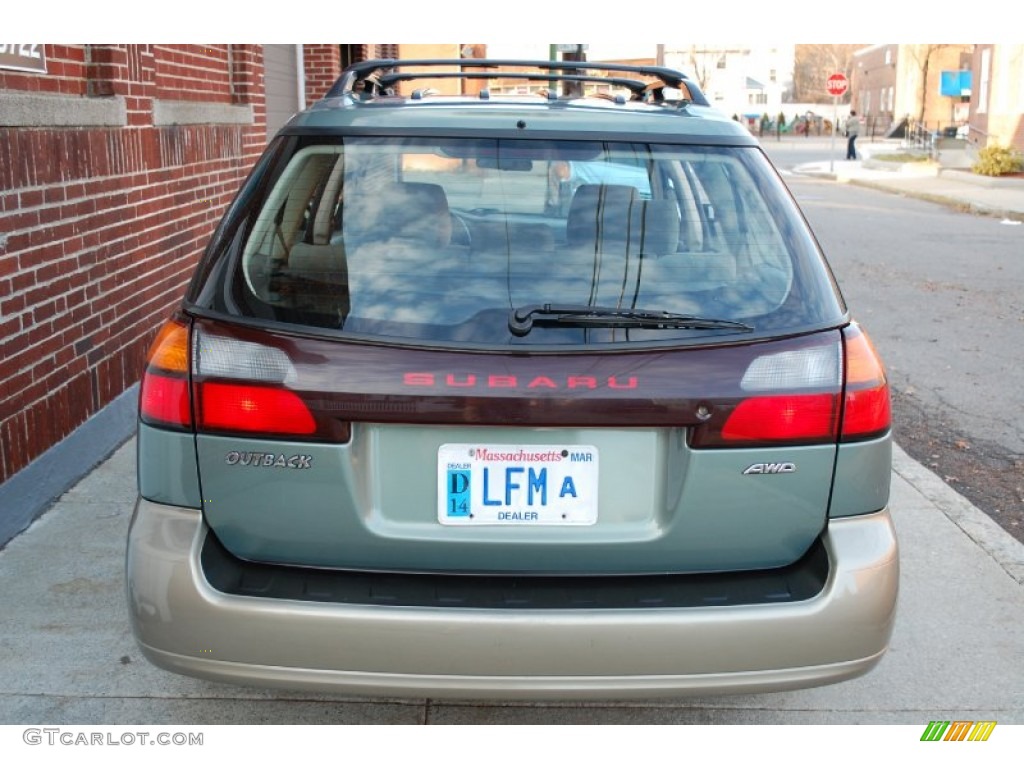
(516, 484)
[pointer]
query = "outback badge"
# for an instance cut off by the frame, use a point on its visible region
(279, 460)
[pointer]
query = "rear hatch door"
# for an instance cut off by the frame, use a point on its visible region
(709, 458)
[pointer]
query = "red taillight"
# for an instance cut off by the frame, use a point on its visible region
(866, 411)
(247, 408)
(164, 397)
(164, 400)
(233, 386)
(782, 418)
(806, 396)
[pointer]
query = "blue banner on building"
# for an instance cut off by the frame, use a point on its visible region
(955, 83)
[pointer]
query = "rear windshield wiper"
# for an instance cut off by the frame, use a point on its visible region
(522, 319)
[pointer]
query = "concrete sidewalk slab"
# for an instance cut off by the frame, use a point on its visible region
(1000, 197)
(67, 655)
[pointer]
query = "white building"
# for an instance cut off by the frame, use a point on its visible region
(740, 80)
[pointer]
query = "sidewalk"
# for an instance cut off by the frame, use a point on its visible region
(961, 189)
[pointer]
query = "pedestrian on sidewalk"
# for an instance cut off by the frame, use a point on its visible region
(852, 131)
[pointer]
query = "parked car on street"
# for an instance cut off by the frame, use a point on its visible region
(513, 397)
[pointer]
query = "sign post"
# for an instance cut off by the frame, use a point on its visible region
(835, 85)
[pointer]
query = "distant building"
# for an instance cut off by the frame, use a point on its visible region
(895, 82)
(873, 86)
(996, 114)
(746, 81)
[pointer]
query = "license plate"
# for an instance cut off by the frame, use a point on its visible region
(516, 484)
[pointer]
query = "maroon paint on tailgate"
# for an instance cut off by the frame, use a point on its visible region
(341, 380)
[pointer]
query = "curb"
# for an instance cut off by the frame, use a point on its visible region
(886, 177)
(979, 527)
(988, 182)
(959, 204)
(33, 490)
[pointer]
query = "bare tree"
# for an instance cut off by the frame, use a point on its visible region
(922, 57)
(702, 60)
(814, 63)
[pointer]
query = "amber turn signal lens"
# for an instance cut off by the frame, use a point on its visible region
(169, 351)
(164, 399)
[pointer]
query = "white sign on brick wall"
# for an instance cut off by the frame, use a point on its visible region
(28, 57)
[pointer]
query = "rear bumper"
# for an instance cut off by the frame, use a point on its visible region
(184, 625)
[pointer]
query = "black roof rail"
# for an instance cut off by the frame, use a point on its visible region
(379, 75)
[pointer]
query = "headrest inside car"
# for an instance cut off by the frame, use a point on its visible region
(407, 210)
(601, 212)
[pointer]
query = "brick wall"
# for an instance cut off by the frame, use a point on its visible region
(101, 223)
(322, 66)
(201, 71)
(66, 73)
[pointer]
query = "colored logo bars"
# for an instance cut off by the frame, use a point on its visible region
(958, 730)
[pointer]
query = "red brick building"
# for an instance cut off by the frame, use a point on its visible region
(116, 162)
(892, 82)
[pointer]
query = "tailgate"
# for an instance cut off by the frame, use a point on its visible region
(458, 462)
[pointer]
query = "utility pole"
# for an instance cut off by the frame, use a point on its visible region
(553, 56)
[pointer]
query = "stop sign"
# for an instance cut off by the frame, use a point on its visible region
(837, 84)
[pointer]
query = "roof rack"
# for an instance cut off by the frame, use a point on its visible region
(379, 76)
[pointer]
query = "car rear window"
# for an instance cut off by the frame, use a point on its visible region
(435, 240)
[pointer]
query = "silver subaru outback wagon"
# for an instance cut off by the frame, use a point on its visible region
(505, 396)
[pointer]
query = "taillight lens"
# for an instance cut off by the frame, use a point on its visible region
(247, 387)
(241, 388)
(792, 399)
(867, 412)
(164, 397)
(782, 419)
(237, 387)
(819, 394)
(247, 408)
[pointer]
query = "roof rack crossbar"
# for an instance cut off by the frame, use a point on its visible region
(371, 73)
(636, 86)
